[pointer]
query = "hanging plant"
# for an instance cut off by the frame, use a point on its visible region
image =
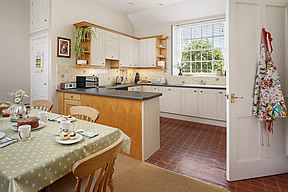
(82, 34)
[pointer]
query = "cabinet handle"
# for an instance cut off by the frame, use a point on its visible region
(201, 91)
(45, 19)
(71, 96)
(169, 89)
(112, 56)
(220, 92)
(103, 63)
(195, 91)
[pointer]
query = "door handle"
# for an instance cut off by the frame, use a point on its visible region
(233, 97)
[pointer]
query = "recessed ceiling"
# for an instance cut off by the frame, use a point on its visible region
(128, 7)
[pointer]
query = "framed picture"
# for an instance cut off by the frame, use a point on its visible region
(63, 47)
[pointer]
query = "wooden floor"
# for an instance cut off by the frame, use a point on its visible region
(199, 151)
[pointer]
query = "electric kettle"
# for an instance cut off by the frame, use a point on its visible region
(119, 80)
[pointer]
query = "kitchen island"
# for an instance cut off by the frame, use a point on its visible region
(137, 114)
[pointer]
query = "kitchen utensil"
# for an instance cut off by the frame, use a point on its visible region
(65, 126)
(2, 134)
(137, 78)
(119, 80)
(43, 116)
(41, 125)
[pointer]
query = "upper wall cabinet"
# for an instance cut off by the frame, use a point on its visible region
(39, 15)
(98, 48)
(112, 46)
(124, 51)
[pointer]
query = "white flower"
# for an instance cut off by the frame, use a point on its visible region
(17, 100)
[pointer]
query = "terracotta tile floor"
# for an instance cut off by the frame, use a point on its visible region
(199, 151)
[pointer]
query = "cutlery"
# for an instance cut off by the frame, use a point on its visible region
(55, 118)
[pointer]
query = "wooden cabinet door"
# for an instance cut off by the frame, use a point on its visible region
(112, 46)
(39, 15)
(124, 60)
(221, 105)
(189, 101)
(208, 103)
(142, 53)
(170, 101)
(68, 104)
(98, 48)
(151, 52)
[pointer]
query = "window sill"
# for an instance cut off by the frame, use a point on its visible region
(200, 76)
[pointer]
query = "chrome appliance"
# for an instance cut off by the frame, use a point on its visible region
(87, 81)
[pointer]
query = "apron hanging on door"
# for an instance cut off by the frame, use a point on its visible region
(271, 101)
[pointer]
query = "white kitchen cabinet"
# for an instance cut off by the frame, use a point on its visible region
(221, 105)
(112, 45)
(190, 101)
(142, 53)
(146, 88)
(170, 101)
(135, 88)
(124, 60)
(155, 89)
(151, 52)
(207, 103)
(98, 48)
(133, 57)
(39, 15)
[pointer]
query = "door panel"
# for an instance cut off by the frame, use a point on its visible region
(246, 157)
(208, 103)
(98, 48)
(190, 102)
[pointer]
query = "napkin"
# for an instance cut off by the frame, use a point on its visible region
(88, 134)
(7, 141)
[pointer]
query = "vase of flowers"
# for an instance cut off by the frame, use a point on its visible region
(18, 109)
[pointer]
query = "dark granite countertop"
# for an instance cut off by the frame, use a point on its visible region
(113, 93)
(166, 85)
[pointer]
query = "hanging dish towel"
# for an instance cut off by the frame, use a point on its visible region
(261, 71)
(271, 100)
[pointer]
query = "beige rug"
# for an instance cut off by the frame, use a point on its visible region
(132, 175)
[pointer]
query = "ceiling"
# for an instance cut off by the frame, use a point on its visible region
(128, 7)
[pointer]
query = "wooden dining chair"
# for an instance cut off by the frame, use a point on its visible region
(84, 113)
(104, 161)
(44, 105)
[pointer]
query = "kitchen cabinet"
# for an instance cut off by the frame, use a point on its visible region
(154, 89)
(170, 101)
(70, 100)
(135, 88)
(98, 48)
(221, 105)
(147, 52)
(146, 88)
(112, 46)
(124, 60)
(207, 103)
(133, 57)
(39, 15)
(189, 101)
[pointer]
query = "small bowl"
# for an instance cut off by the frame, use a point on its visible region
(5, 113)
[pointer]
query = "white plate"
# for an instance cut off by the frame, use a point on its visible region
(2, 134)
(69, 141)
(72, 119)
(41, 124)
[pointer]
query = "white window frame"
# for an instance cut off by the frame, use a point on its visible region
(177, 41)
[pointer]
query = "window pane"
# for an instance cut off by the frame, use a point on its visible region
(197, 55)
(196, 32)
(193, 67)
(193, 56)
(186, 45)
(218, 65)
(196, 44)
(207, 31)
(186, 56)
(204, 67)
(219, 42)
(186, 67)
(210, 67)
(198, 67)
(207, 43)
(218, 54)
(207, 55)
(186, 33)
(218, 29)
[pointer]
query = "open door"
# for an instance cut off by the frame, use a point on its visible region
(246, 157)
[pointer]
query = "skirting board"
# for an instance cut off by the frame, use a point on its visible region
(193, 119)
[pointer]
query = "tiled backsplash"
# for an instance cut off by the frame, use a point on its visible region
(68, 72)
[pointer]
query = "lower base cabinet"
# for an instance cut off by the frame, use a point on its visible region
(196, 102)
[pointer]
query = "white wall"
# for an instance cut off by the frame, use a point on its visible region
(14, 47)
(67, 12)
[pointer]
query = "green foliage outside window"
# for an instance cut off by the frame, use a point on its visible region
(195, 52)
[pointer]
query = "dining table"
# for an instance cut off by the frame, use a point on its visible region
(33, 164)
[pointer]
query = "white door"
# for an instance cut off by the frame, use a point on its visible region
(98, 48)
(39, 67)
(39, 15)
(246, 157)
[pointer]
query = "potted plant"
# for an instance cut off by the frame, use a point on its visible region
(82, 34)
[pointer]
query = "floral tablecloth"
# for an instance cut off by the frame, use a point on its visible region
(31, 165)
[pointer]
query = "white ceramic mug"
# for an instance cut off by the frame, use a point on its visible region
(43, 116)
(65, 126)
(24, 132)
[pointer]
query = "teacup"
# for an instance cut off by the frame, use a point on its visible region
(43, 116)
(24, 132)
(65, 126)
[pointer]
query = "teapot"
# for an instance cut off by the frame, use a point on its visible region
(17, 111)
